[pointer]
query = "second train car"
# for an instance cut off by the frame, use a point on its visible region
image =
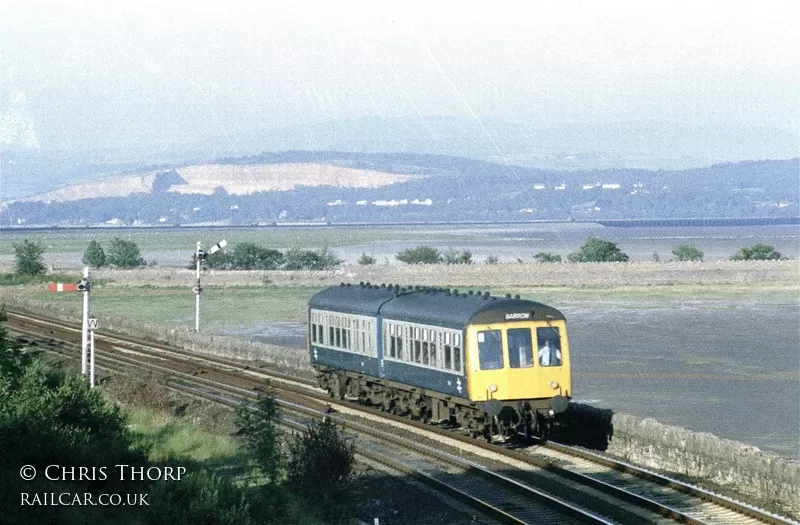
(492, 365)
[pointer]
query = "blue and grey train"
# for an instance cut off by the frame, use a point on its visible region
(488, 364)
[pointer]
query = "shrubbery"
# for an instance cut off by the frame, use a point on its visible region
(757, 252)
(250, 256)
(598, 250)
(687, 252)
(29, 259)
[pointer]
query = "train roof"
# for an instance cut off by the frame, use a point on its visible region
(429, 305)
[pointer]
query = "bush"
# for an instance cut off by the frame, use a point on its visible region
(94, 255)
(454, 257)
(366, 259)
(544, 257)
(687, 252)
(47, 418)
(420, 255)
(321, 467)
(757, 252)
(249, 256)
(199, 499)
(29, 258)
(598, 250)
(297, 259)
(492, 259)
(124, 254)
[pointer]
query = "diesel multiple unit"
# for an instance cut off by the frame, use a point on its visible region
(486, 363)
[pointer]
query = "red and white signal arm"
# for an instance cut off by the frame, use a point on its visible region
(62, 287)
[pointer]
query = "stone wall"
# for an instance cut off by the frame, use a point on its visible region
(745, 469)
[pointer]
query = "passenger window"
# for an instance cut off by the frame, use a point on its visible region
(448, 360)
(457, 359)
(490, 349)
(520, 347)
(425, 354)
(417, 352)
(433, 354)
(549, 340)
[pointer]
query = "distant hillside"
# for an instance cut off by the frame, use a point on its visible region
(346, 187)
(240, 178)
(656, 145)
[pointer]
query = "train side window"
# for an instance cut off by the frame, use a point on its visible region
(520, 347)
(490, 349)
(448, 359)
(425, 353)
(331, 338)
(433, 354)
(457, 359)
(417, 352)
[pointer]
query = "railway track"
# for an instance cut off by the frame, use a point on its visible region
(523, 485)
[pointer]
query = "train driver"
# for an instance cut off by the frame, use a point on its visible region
(549, 355)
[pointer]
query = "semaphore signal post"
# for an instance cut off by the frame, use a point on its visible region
(84, 286)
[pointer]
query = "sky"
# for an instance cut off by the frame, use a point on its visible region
(95, 74)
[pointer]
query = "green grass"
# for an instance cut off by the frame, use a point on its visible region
(174, 438)
(220, 308)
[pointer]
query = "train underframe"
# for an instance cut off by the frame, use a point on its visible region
(527, 418)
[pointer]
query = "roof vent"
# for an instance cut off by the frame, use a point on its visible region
(508, 296)
(516, 296)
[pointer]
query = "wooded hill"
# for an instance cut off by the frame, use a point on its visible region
(413, 187)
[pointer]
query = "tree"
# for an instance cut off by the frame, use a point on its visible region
(544, 257)
(453, 257)
(94, 255)
(297, 259)
(250, 256)
(258, 431)
(420, 255)
(757, 252)
(598, 250)
(29, 259)
(687, 252)
(366, 260)
(124, 254)
(321, 466)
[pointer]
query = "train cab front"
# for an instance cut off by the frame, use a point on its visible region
(519, 374)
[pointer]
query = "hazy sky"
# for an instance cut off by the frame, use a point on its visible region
(152, 71)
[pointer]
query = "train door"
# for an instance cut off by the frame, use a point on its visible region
(486, 362)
